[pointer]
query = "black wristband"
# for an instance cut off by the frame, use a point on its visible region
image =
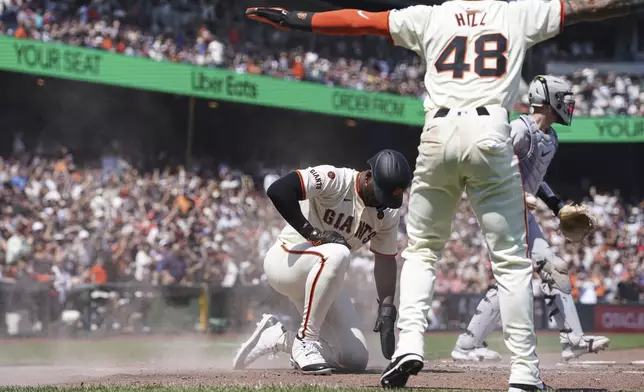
(299, 20)
(553, 202)
(560, 205)
(306, 230)
(387, 310)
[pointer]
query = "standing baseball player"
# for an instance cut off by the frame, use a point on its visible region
(341, 210)
(474, 51)
(535, 144)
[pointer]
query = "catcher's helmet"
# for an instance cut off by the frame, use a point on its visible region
(391, 176)
(555, 92)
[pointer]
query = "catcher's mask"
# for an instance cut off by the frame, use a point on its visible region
(554, 92)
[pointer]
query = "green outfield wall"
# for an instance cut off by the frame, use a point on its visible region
(94, 66)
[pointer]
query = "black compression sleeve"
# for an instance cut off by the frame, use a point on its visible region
(550, 198)
(285, 194)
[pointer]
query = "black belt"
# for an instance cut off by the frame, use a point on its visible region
(443, 112)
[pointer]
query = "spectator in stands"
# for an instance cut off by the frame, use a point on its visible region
(629, 289)
(587, 290)
(142, 263)
(98, 272)
(181, 32)
(171, 269)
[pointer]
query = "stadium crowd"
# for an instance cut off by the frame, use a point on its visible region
(215, 33)
(65, 224)
(70, 225)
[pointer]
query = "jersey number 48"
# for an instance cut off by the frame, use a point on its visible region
(490, 47)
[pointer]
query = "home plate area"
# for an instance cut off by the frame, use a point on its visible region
(617, 370)
(436, 376)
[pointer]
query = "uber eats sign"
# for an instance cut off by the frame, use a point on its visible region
(94, 66)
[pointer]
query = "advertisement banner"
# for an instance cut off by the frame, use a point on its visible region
(619, 318)
(94, 66)
(68, 62)
(603, 130)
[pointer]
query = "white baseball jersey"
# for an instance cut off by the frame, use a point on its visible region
(535, 150)
(474, 50)
(333, 203)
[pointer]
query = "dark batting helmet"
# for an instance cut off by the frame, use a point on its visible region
(391, 176)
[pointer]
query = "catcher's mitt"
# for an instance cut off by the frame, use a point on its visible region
(575, 222)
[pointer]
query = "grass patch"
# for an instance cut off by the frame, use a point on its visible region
(120, 350)
(440, 345)
(129, 350)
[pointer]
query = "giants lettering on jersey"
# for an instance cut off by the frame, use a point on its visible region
(318, 179)
(471, 19)
(343, 224)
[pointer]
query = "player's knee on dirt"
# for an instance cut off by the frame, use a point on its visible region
(553, 271)
(355, 360)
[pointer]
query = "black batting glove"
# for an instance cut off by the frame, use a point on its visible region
(273, 16)
(385, 323)
(280, 18)
(318, 237)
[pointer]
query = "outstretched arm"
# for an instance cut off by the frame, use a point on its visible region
(384, 246)
(592, 10)
(384, 273)
(341, 22)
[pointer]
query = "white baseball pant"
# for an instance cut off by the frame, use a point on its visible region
(312, 277)
(469, 150)
(561, 305)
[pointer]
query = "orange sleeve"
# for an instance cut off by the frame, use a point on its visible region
(562, 19)
(351, 22)
(302, 184)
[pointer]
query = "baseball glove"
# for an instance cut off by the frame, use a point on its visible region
(385, 327)
(575, 222)
(319, 237)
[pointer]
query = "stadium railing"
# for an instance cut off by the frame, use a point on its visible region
(91, 310)
(39, 309)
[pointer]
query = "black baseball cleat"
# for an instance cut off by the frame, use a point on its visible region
(398, 371)
(530, 388)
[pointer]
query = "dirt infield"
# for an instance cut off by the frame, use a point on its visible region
(615, 372)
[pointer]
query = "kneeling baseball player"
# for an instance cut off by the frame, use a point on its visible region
(341, 210)
(535, 143)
